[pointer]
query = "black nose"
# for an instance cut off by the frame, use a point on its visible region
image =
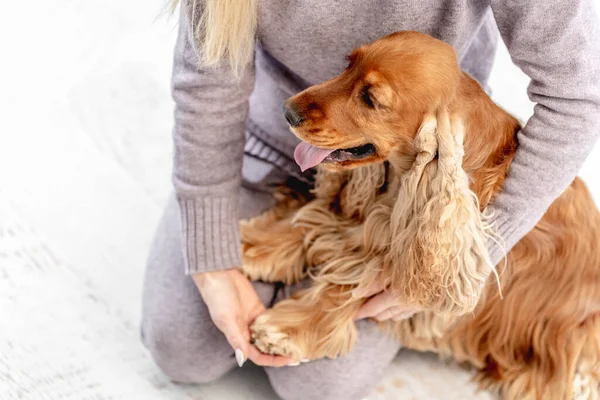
(292, 115)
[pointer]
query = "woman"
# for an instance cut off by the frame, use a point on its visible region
(229, 90)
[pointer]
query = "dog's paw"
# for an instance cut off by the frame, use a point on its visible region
(272, 339)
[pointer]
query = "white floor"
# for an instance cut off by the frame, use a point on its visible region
(85, 119)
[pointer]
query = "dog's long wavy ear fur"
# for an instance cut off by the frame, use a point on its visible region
(438, 257)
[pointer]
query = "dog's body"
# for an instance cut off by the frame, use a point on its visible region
(395, 207)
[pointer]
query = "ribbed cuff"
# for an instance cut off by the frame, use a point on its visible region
(211, 234)
(505, 233)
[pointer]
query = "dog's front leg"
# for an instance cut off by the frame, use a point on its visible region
(314, 323)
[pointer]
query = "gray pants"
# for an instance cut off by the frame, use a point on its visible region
(186, 345)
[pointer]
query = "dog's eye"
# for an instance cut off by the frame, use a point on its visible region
(351, 59)
(366, 97)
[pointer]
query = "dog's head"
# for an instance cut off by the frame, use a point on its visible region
(376, 105)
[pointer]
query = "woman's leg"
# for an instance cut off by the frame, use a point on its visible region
(176, 325)
(350, 377)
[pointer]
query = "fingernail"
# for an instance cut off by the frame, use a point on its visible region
(239, 356)
(304, 360)
(293, 364)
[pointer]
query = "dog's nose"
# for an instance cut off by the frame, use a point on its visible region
(292, 115)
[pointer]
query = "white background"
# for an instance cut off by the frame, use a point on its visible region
(85, 156)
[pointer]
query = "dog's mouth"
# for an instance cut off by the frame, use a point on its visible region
(308, 156)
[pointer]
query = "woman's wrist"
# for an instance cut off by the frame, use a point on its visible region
(204, 279)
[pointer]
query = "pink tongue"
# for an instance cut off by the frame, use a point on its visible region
(307, 156)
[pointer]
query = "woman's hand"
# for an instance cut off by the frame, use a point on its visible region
(383, 305)
(233, 305)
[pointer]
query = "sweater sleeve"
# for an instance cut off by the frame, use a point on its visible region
(211, 108)
(557, 44)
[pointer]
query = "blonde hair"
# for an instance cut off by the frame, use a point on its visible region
(224, 30)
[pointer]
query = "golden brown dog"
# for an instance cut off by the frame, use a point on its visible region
(410, 152)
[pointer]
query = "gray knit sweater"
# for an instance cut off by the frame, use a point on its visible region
(303, 42)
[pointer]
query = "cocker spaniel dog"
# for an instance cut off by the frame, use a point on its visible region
(410, 151)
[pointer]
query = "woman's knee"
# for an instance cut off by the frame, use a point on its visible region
(305, 382)
(186, 358)
(176, 326)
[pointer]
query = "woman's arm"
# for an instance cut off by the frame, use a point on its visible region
(209, 135)
(557, 44)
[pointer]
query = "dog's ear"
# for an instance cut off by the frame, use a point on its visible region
(438, 254)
